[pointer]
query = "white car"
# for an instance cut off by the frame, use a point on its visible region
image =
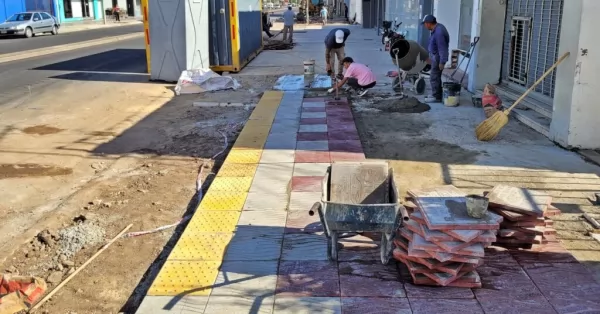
(269, 6)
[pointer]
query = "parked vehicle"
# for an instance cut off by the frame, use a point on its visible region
(390, 31)
(29, 24)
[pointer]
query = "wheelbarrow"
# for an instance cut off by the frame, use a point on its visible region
(359, 197)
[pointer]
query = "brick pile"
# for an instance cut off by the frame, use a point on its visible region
(526, 217)
(440, 244)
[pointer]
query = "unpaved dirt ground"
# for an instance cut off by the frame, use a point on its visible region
(75, 173)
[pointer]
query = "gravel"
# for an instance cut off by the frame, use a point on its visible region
(75, 238)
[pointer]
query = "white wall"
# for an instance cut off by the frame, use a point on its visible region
(76, 8)
(447, 12)
(576, 110)
(355, 7)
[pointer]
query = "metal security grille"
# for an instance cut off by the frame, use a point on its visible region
(531, 40)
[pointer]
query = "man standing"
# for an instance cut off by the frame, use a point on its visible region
(288, 24)
(335, 42)
(324, 15)
(358, 76)
(346, 12)
(438, 53)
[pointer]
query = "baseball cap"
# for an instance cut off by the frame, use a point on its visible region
(429, 19)
(339, 36)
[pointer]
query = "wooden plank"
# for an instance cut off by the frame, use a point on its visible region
(360, 183)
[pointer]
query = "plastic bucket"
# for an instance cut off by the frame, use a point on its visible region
(451, 93)
(309, 67)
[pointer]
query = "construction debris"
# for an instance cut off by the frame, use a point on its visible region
(441, 244)
(526, 216)
(18, 293)
(277, 45)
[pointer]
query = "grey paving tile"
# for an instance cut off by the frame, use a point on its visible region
(303, 200)
(251, 243)
(313, 128)
(240, 305)
(313, 145)
(281, 141)
(307, 305)
(310, 169)
(277, 155)
(304, 247)
(313, 104)
(171, 304)
(284, 128)
(264, 218)
(314, 115)
(272, 177)
(261, 201)
(243, 279)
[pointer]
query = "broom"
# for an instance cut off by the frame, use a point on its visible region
(490, 127)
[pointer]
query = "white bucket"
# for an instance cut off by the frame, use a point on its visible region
(309, 67)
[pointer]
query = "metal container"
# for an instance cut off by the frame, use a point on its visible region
(408, 55)
(235, 33)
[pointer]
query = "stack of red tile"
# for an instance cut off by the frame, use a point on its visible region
(441, 245)
(526, 217)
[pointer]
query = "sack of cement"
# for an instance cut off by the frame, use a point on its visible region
(18, 293)
(203, 80)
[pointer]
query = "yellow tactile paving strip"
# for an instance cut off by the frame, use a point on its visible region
(193, 265)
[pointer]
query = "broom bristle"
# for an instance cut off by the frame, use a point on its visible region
(490, 127)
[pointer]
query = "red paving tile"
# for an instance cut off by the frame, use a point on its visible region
(304, 156)
(313, 109)
(368, 279)
(342, 156)
(346, 146)
(313, 121)
(344, 127)
(548, 253)
(445, 306)
(308, 278)
(569, 287)
(414, 291)
(299, 221)
(507, 288)
(307, 183)
(316, 99)
(312, 136)
(375, 306)
(343, 135)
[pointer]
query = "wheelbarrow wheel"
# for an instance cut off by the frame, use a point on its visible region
(386, 247)
(332, 246)
(396, 84)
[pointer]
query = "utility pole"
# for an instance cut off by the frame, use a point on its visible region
(103, 11)
(307, 12)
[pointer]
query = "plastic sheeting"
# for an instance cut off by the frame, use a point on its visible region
(203, 80)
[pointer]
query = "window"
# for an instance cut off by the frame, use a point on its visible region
(520, 43)
(37, 17)
(46, 16)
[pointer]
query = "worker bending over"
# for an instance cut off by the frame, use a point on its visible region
(358, 76)
(438, 53)
(335, 42)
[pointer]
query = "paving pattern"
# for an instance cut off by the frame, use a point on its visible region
(251, 247)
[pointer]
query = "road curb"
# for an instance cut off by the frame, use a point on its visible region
(15, 56)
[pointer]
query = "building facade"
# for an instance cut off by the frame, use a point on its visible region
(10, 7)
(518, 41)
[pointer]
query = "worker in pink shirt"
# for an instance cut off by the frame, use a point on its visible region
(358, 76)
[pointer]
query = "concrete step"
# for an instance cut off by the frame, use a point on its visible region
(532, 119)
(509, 95)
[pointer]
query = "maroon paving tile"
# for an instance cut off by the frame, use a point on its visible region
(506, 288)
(368, 279)
(344, 156)
(316, 99)
(307, 183)
(299, 221)
(304, 156)
(346, 146)
(339, 127)
(414, 291)
(546, 253)
(343, 135)
(312, 136)
(446, 306)
(313, 121)
(313, 109)
(338, 113)
(308, 279)
(375, 306)
(569, 287)
(341, 102)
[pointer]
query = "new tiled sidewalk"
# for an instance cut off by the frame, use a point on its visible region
(251, 247)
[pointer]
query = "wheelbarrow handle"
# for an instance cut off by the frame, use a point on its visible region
(403, 213)
(314, 208)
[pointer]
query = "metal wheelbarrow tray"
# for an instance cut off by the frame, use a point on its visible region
(359, 197)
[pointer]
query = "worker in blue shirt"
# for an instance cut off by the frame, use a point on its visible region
(438, 53)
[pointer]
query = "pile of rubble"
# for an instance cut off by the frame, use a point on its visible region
(526, 217)
(441, 245)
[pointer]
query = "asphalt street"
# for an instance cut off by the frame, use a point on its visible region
(122, 61)
(10, 45)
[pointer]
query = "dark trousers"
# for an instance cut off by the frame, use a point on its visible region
(267, 31)
(435, 78)
(117, 17)
(352, 82)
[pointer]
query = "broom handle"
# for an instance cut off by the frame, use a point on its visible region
(561, 59)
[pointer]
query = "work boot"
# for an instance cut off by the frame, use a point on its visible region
(361, 92)
(432, 99)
